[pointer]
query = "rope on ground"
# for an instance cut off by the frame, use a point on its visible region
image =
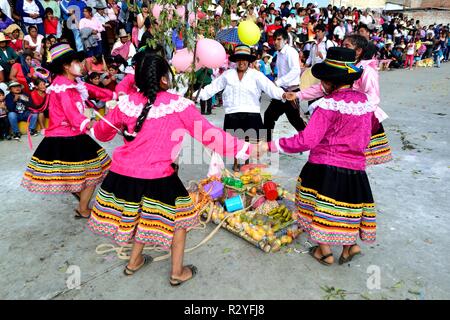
(123, 251)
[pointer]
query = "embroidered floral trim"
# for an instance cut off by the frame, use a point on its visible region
(130, 109)
(356, 109)
(58, 88)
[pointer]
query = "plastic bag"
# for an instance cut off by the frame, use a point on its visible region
(216, 165)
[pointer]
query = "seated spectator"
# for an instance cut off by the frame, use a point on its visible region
(111, 78)
(5, 21)
(95, 64)
(4, 123)
(38, 96)
(123, 46)
(50, 22)
(265, 67)
(16, 35)
(33, 41)
(45, 53)
(7, 55)
(19, 109)
(94, 78)
(23, 73)
(31, 13)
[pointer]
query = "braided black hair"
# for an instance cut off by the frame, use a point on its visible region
(150, 68)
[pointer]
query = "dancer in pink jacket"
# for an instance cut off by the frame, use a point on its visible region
(142, 200)
(67, 159)
(378, 150)
(333, 197)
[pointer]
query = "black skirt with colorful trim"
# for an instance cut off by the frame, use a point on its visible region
(66, 164)
(146, 211)
(335, 205)
(379, 151)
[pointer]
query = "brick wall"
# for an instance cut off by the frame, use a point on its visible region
(435, 3)
(428, 17)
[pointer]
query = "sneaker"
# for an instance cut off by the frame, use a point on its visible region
(8, 137)
(33, 133)
(42, 132)
(16, 136)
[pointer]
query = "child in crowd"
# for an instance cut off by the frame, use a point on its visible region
(437, 53)
(4, 124)
(265, 67)
(203, 77)
(112, 77)
(20, 109)
(50, 23)
(94, 78)
(410, 52)
(38, 96)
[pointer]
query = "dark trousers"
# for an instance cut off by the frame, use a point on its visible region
(206, 106)
(4, 127)
(275, 110)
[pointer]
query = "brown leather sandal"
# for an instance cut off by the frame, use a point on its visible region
(147, 260)
(343, 260)
(313, 250)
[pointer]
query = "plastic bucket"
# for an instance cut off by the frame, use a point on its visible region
(214, 189)
(234, 204)
(270, 190)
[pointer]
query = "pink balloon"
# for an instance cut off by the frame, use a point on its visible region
(157, 10)
(201, 15)
(182, 60)
(181, 10)
(211, 53)
(191, 19)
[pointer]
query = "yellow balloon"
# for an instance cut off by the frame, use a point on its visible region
(249, 33)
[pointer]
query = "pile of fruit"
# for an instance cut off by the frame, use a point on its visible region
(270, 226)
(268, 222)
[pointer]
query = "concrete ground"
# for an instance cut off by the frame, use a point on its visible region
(41, 242)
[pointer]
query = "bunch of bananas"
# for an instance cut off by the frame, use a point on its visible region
(282, 214)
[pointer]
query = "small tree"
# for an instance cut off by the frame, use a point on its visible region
(169, 20)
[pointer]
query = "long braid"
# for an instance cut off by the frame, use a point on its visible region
(150, 69)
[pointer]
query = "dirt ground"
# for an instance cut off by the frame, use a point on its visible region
(42, 247)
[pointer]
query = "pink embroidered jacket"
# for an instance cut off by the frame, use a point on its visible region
(368, 83)
(157, 145)
(127, 85)
(66, 104)
(338, 132)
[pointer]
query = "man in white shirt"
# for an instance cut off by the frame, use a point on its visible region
(242, 88)
(366, 18)
(288, 65)
(319, 49)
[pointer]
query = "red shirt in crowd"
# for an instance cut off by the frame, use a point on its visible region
(37, 99)
(51, 26)
(271, 28)
(17, 45)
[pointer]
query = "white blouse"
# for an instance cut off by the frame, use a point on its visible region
(31, 8)
(36, 44)
(241, 95)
